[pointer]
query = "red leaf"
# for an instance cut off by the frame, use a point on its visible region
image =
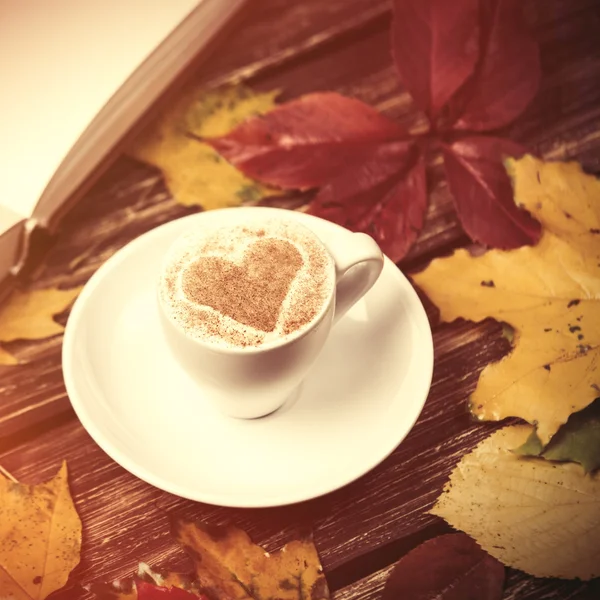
(508, 74)
(448, 567)
(306, 142)
(435, 44)
(483, 194)
(147, 591)
(385, 197)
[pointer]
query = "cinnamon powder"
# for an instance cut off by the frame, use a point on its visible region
(272, 289)
(252, 293)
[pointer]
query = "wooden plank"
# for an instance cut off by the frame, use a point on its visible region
(125, 519)
(279, 32)
(368, 588)
(340, 45)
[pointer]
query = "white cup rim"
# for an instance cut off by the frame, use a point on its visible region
(278, 343)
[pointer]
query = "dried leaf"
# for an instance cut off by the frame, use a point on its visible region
(371, 180)
(457, 60)
(508, 73)
(435, 44)
(194, 173)
(40, 537)
(578, 440)
(532, 515)
(483, 195)
(382, 197)
(307, 142)
(27, 315)
(229, 565)
(549, 293)
(448, 567)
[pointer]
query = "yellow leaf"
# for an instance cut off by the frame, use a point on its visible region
(193, 171)
(229, 566)
(40, 537)
(531, 514)
(27, 315)
(232, 567)
(549, 293)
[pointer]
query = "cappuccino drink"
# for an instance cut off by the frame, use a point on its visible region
(247, 285)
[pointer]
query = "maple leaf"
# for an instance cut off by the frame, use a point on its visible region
(229, 565)
(578, 440)
(530, 514)
(448, 567)
(549, 294)
(40, 537)
(27, 315)
(194, 173)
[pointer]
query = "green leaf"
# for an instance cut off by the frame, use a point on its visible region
(578, 440)
(532, 447)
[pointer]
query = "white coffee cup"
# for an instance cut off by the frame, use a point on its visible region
(255, 381)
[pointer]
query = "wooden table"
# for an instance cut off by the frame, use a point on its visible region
(361, 530)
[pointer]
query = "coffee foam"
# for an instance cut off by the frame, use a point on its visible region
(289, 249)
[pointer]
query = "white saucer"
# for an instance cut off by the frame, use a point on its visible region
(358, 403)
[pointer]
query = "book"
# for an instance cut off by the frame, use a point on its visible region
(76, 76)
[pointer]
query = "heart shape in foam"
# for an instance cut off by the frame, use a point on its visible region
(252, 292)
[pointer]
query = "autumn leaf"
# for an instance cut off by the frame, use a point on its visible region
(448, 567)
(549, 294)
(508, 72)
(40, 537)
(483, 195)
(529, 513)
(194, 173)
(578, 440)
(371, 179)
(435, 45)
(307, 142)
(229, 565)
(27, 315)
(395, 213)
(471, 66)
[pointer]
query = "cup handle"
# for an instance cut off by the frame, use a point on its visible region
(348, 251)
